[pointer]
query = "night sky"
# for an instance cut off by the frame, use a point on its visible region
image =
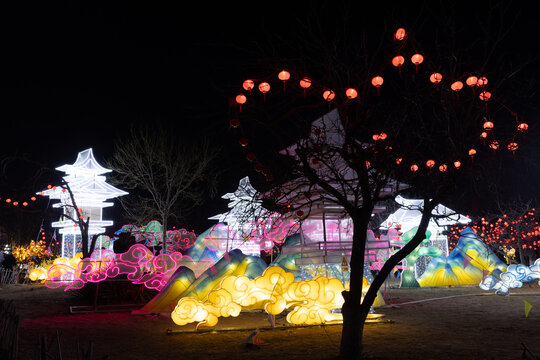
(75, 75)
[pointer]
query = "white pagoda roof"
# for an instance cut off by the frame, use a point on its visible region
(85, 164)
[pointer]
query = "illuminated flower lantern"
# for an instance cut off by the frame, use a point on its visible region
(90, 191)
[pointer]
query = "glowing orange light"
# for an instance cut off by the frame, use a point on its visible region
(284, 75)
(8, 200)
(513, 146)
(399, 160)
(49, 186)
(494, 145)
(456, 86)
(483, 135)
(400, 34)
(471, 81)
(435, 78)
(417, 59)
(25, 204)
(457, 164)
(482, 81)
(351, 93)
(329, 95)
(484, 95)
(523, 127)
(243, 141)
(376, 137)
(377, 81)
(382, 136)
(264, 87)
(488, 125)
(414, 167)
(241, 99)
(430, 163)
(305, 83)
(33, 198)
(15, 203)
(443, 168)
(472, 152)
(398, 61)
(248, 84)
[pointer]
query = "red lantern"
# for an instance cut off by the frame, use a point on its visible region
(485, 95)
(264, 87)
(234, 123)
(248, 85)
(376, 137)
(241, 99)
(377, 81)
(329, 95)
(243, 141)
(483, 135)
(430, 163)
(25, 203)
(482, 81)
(488, 125)
(251, 157)
(443, 168)
(383, 136)
(398, 61)
(351, 93)
(417, 59)
(435, 78)
(414, 167)
(400, 34)
(494, 145)
(305, 83)
(49, 186)
(513, 146)
(456, 86)
(284, 75)
(399, 160)
(33, 198)
(299, 213)
(523, 127)
(15, 203)
(472, 152)
(457, 164)
(471, 81)
(8, 200)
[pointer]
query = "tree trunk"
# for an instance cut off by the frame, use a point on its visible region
(164, 236)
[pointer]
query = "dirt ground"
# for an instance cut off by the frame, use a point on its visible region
(428, 323)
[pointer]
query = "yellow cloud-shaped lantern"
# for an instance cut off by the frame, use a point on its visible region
(312, 301)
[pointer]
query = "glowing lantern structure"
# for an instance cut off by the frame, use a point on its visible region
(417, 59)
(90, 191)
(471, 81)
(351, 93)
(398, 61)
(248, 85)
(456, 86)
(522, 127)
(329, 95)
(435, 78)
(400, 34)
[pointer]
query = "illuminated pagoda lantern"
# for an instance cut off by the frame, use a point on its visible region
(326, 230)
(242, 229)
(90, 190)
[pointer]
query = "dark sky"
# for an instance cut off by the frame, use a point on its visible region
(75, 74)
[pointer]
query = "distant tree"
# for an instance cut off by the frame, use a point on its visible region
(168, 174)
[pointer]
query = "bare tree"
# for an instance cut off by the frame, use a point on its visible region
(168, 174)
(421, 131)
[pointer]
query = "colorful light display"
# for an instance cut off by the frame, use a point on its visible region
(152, 233)
(311, 301)
(91, 192)
(513, 277)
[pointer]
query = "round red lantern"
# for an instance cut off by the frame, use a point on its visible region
(398, 61)
(251, 157)
(399, 160)
(456, 86)
(435, 78)
(241, 99)
(485, 95)
(15, 203)
(488, 125)
(284, 75)
(383, 136)
(25, 204)
(8, 200)
(377, 81)
(305, 83)
(494, 145)
(522, 127)
(457, 164)
(417, 59)
(483, 135)
(443, 168)
(414, 167)
(248, 84)
(482, 81)
(243, 141)
(299, 213)
(264, 87)
(376, 137)
(430, 163)
(472, 152)
(400, 34)
(471, 81)
(329, 95)
(234, 123)
(33, 198)
(351, 93)
(513, 146)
